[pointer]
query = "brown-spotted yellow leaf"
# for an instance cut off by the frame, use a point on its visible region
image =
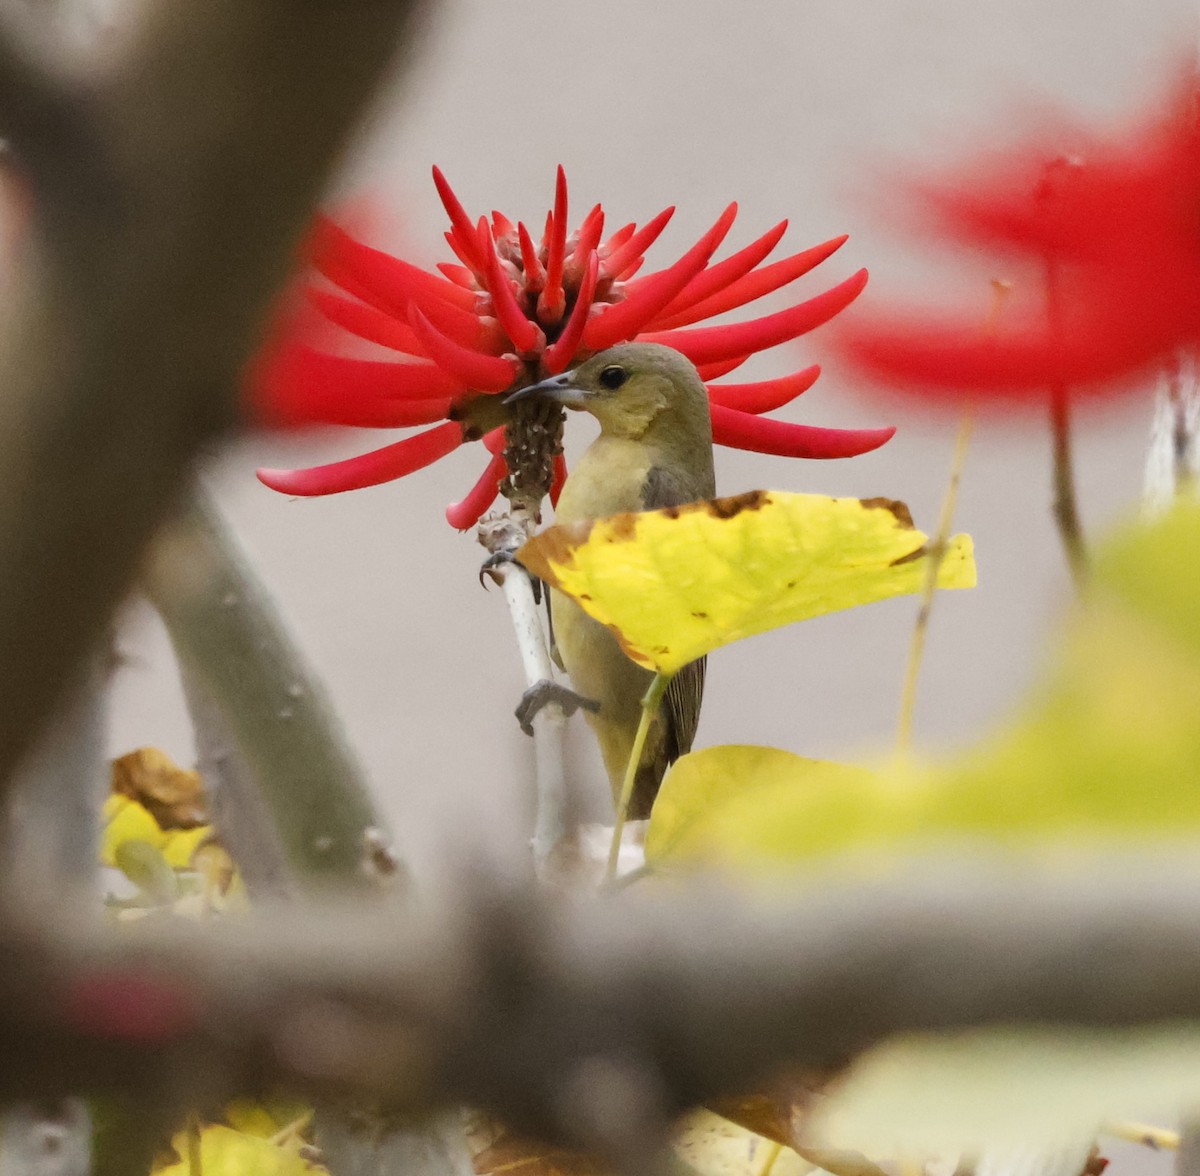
(675, 584)
(174, 796)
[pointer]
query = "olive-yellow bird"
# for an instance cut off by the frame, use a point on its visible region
(655, 449)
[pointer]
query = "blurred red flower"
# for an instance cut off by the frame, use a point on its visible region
(1115, 226)
(509, 312)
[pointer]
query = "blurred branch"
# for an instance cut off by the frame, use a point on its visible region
(291, 752)
(171, 178)
(531, 1007)
(238, 808)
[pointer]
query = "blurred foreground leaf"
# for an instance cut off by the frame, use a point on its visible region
(226, 1152)
(1008, 1088)
(708, 1143)
(675, 584)
(1105, 752)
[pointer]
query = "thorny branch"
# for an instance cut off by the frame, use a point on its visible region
(521, 1003)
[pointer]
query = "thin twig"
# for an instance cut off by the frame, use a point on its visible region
(916, 648)
(1065, 504)
(1145, 1134)
(650, 704)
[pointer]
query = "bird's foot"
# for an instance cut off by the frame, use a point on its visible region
(501, 559)
(545, 691)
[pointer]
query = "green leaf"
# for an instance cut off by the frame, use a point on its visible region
(676, 584)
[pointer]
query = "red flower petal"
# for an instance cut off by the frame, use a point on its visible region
(707, 344)
(765, 396)
(625, 319)
(589, 239)
(370, 469)
(526, 336)
(295, 385)
(717, 277)
(535, 275)
(465, 514)
(495, 441)
(463, 230)
(720, 367)
(755, 285)
(616, 265)
(617, 239)
(367, 322)
(486, 373)
(459, 275)
(763, 435)
(560, 477)
(560, 353)
(377, 277)
(552, 302)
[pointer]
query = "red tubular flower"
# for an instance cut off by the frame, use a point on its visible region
(1117, 225)
(511, 311)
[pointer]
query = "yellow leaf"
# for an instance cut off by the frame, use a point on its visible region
(173, 795)
(674, 584)
(1106, 752)
(126, 820)
(759, 806)
(144, 865)
(225, 1152)
(180, 844)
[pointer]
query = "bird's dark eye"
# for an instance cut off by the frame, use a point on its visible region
(613, 376)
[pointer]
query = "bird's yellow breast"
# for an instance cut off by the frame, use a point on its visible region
(608, 480)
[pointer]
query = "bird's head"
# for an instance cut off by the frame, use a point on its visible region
(635, 390)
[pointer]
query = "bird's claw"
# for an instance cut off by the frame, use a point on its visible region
(499, 559)
(545, 691)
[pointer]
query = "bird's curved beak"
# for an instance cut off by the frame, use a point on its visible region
(561, 389)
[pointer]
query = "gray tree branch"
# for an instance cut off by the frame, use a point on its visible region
(170, 184)
(530, 1007)
(291, 785)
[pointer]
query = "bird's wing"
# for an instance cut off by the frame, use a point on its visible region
(681, 709)
(681, 704)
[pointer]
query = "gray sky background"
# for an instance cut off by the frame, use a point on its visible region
(808, 110)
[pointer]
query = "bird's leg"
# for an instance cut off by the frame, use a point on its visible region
(546, 691)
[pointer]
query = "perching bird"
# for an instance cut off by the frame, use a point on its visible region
(655, 449)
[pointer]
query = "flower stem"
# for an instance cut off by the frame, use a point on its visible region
(650, 705)
(937, 553)
(1065, 503)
